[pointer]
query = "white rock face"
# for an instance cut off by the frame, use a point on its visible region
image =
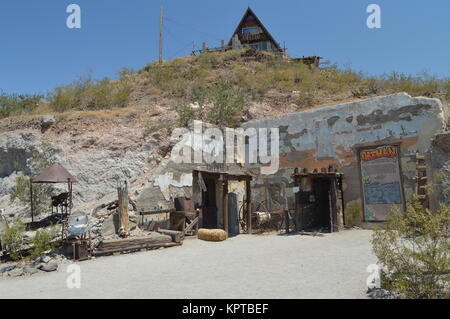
(15, 150)
(96, 161)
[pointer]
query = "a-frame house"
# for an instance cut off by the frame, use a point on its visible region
(251, 31)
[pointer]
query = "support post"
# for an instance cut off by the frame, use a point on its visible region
(161, 35)
(31, 200)
(122, 191)
(69, 183)
(225, 204)
(248, 194)
(286, 215)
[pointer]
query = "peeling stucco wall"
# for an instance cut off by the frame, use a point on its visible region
(439, 169)
(318, 138)
(165, 181)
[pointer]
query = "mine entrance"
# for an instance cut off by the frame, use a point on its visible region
(213, 196)
(209, 202)
(322, 216)
(319, 202)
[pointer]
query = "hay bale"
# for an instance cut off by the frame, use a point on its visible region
(212, 234)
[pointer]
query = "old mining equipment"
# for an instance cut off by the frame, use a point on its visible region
(77, 241)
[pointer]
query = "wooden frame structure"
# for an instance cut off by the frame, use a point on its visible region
(53, 175)
(225, 178)
(335, 196)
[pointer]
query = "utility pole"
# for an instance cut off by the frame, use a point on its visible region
(161, 35)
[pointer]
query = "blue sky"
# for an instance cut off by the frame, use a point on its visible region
(38, 52)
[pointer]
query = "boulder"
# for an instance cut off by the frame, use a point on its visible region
(47, 121)
(16, 272)
(29, 270)
(6, 269)
(48, 267)
(45, 259)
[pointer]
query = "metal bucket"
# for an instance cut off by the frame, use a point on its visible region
(77, 224)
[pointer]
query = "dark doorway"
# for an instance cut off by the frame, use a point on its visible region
(322, 218)
(209, 204)
(318, 202)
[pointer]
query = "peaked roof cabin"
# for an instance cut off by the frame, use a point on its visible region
(251, 31)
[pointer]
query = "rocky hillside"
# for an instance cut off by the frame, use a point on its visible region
(106, 130)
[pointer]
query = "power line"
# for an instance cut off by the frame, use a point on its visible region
(194, 29)
(177, 40)
(182, 49)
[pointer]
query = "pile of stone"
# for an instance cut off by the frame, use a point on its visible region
(41, 264)
(105, 224)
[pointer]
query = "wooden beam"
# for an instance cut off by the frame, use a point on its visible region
(133, 248)
(161, 35)
(153, 238)
(122, 191)
(31, 200)
(177, 236)
(190, 227)
(225, 205)
(248, 195)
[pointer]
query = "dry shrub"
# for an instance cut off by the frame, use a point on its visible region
(415, 250)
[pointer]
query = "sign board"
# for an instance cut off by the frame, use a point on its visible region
(380, 174)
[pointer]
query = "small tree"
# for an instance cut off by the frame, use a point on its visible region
(41, 192)
(186, 113)
(414, 248)
(228, 103)
(12, 238)
(43, 241)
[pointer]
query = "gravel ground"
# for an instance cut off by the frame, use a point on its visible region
(272, 266)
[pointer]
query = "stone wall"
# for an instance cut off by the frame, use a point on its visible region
(331, 135)
(439, 169)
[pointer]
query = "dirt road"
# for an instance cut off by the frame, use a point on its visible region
(273, 266)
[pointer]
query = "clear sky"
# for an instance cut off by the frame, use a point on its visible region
(38, 52)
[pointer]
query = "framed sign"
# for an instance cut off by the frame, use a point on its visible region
(381, 181)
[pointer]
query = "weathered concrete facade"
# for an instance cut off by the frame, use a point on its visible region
(328, 137)
(439, 169)
(332, 136)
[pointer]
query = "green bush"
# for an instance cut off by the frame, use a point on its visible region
(352, 214)
(415, 248)
(228, 103)
(125, 73)
(420, 85)
(447, 88)
(12, 238)
(16, 104)
(87, 93)
(186, 113)
(41, 192)
(43, 241)
(158, 127)
(360, 92)
(194, 79)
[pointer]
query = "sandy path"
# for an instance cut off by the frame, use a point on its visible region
(271, 266)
